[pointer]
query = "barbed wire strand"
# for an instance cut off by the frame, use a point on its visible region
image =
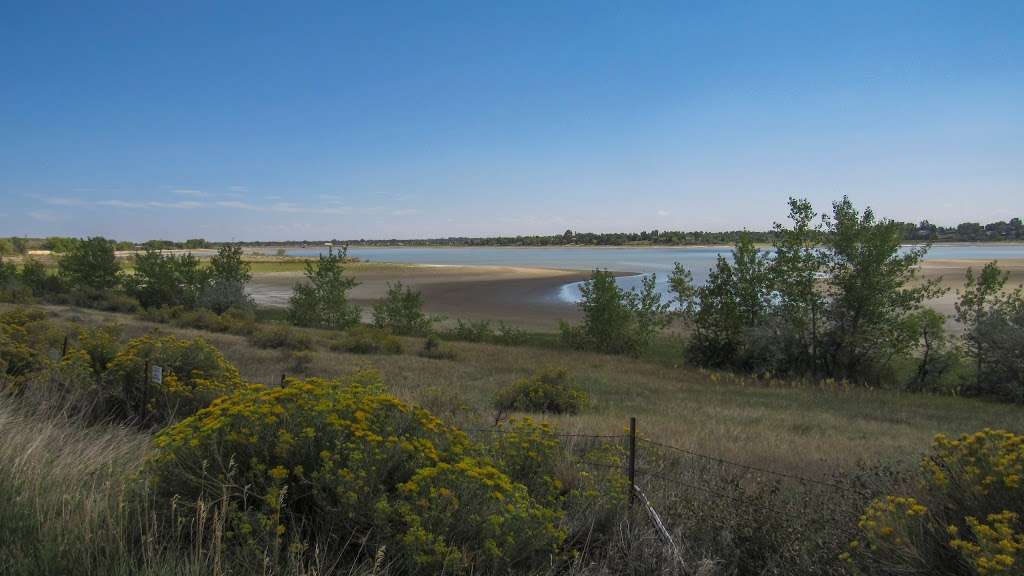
(755, 468)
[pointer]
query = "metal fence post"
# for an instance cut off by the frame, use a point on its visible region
(283, 376)
(632, 460)
(64, 348)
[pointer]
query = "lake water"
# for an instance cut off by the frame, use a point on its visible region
(660, 261)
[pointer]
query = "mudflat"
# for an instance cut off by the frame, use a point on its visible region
(524, 297)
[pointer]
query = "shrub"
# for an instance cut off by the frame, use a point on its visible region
(323, 301)
(616, 321)
(964, 521)
(300, 361)
(194, 373)
(341, 461)
(432, 348)
(472, 331)
(588, 482)
(551, 391)
(25, 341)
(401, 311)
(101, 345)
(368, 340)
(280, 336)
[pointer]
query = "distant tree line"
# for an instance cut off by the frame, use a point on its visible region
(14, 246)
(923, 231)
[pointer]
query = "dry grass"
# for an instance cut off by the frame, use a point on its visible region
(777, 425)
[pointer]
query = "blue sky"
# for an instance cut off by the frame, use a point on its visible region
(302, 120)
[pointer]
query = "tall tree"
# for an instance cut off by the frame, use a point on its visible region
(90, 265)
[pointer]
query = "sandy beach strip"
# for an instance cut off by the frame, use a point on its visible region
(523, 297)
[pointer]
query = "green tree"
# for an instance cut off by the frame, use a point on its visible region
(20, 245)
(718, 321)
(870, 291)
(795, 269)
(35, 277)
(90, 265)
(401, 311)
(322, 301)
(229, 274)
(166, 279)
(59, 244)
(615, 320)
(993, 331)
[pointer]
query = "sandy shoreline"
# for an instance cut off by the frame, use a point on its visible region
(527, 297)
(521, 296)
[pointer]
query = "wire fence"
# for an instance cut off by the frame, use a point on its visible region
(663, 473)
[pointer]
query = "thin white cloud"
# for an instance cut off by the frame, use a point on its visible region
(405, 212)
(46, 216)
(192, 193)
(662, 212)
(183, 205)
(285, 207)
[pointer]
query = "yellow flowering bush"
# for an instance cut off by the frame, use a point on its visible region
(985, 465)
(101, 345)
(471, 500)
(964, 479)
(194, 373)
(317, 459)
(996, 547)
(586, 480)
(26, 338)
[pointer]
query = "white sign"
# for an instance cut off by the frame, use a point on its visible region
(158, 374)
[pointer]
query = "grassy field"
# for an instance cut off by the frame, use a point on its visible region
(65, 488)
(819, 430)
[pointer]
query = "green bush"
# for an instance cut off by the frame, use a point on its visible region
(280, 336)
(551, 391)
(367, 340)
(433, 349)
(401, 311)
(329, 463)
(616, 321)
(322, 302)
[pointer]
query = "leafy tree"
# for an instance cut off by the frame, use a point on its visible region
(229, 275)
(20, 245)
(617, 321)
(993, 336)
(795, 270)
(936, 359)
(6, 247)
(401, 311)
(166, 279)
(681, 284)
(323, 301)
(33, 275)
(718, 321)
(869, 292)
(90, 265)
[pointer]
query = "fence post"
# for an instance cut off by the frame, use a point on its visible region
(632, 460)
(283, 376)
(64, 348)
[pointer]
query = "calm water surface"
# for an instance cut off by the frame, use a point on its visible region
(641, 261)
